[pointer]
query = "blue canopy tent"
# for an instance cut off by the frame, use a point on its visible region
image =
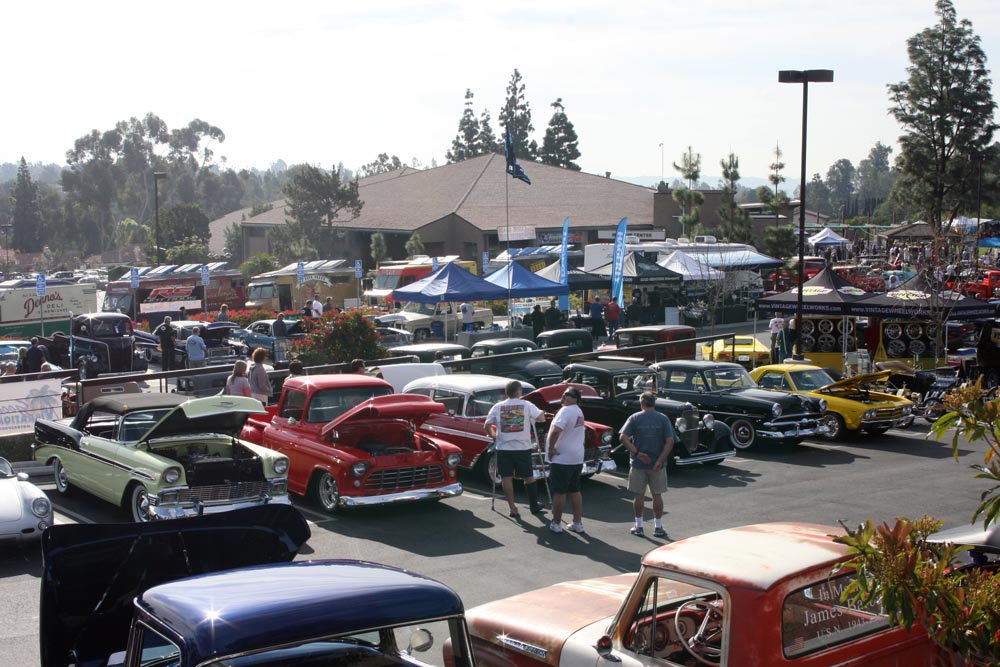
(450, 283)
(523, 283)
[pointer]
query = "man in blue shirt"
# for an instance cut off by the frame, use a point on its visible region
(597, 319)
(196, 349)
(648, 436)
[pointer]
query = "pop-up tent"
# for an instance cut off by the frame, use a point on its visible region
(826, 237)
(578, 279)
(689, 268)
(917, 299)
(826, 293)
(523, 283)
(450, 283)
(639, 271)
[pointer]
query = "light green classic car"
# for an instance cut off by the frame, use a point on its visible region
(160, 456)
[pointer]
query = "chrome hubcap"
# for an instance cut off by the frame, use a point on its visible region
(328, 492)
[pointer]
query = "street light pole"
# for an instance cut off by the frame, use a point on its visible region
(803, 77)
(157, 175)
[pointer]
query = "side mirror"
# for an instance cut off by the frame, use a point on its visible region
(292, 421)
(22, 477)
(451, 412)
(421, 640)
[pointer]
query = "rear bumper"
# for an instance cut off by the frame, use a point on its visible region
(198, 508)
(449, 491)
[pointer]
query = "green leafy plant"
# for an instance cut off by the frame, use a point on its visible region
(338, 338)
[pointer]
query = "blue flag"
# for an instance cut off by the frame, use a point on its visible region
(564, 266)
(513, 168)
(618, 267)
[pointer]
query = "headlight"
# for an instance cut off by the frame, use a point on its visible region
(708, 421)
(453, 460)
(907, 410)
(172, 475)
(41, 507)
(822, 405)
(165, 498)
(776, 409)
(280, 466)
(679, 425)
(359, 469)
(606, 438)
(870, 414)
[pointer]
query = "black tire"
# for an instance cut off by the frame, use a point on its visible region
(933, 408)
(62, 482)
(421, 335)
(742, 433)
(834, 424)
(488, 468)
(325, 492)
(136, 503)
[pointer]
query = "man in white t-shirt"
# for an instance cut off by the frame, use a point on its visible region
(775, 326)
(565, 455)
(510, 423)
(467, 313)
(317, 308)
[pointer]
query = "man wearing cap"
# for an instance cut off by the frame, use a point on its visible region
(565, 456)
(648, 436)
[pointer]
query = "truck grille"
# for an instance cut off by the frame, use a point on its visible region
(404, 478)
(220, 492)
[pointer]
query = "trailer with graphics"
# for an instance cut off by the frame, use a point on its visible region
(23, 313)
(163, 290)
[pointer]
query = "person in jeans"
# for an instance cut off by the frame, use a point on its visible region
(648, 436)
(566, 455)
(197, 351)
(167, 335)
(260, 384)
(509, 423)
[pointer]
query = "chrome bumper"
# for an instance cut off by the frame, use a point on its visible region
(885, 423)
(198, 508)
(704, 458)
(449, 491)
(791, 430)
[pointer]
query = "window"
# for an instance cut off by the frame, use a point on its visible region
(155, 649)
(136, 424)
(814, 618)
(811, 380)
(295, 403)
(328, 404)
(480, 402)
(673, 613)
(451, 400)
(773, 381)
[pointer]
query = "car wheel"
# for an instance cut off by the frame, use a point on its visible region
(742, 433)
(933, 408)
(59, 474)
(490, 468)
(834, 426)
(876, 431)
(325, 492)
(137, 503)
(421, 335)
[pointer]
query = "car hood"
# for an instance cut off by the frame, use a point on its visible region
(93, 572)
(769, 396)
(974, 535)
(224, 415)
(852, 383)
(415, 407)
(548, 399)
(11, 505)
(538, 623)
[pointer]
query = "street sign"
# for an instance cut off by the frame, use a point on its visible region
(434, 264)
(301, 273)
(357, 269)
(486, 261)
(204, 275)
(40, 284)
(134, 278)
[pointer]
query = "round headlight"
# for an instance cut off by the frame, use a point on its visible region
(41, 507)
(172, 475)
(359, 469)
(679, 425)
(907, 410)
(870, 414)
(708, 421)
(822, 405)
(280, 466)
(776, 409)
(453, 460)
(606, 438)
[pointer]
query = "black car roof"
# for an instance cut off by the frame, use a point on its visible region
(502, 342)
(609, 365)
(122, 403)
(696, 365)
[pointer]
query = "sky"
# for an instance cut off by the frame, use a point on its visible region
(327, 82)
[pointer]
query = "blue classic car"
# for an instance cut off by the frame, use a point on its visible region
(261, 334)
(159, 594)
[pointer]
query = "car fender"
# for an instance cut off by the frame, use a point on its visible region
(717, 439)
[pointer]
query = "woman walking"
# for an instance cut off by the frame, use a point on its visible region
(238, 384)
(260, 384)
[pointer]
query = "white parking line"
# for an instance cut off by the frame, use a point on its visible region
(72, 516)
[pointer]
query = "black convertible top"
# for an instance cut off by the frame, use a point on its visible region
(122, 403)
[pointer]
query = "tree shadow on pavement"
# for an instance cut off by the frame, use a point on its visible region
(926, 447)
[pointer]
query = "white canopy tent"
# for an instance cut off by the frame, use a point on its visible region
(826, 237)
(690, 268)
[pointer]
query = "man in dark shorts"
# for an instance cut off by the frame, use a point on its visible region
(509, 423)
(648, 436)
(167, 335)
(565, 455)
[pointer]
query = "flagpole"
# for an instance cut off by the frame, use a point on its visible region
(510, 258)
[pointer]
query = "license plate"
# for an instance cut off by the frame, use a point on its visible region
(744, 357)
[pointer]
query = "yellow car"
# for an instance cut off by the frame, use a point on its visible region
(746, 351)
(851, 406)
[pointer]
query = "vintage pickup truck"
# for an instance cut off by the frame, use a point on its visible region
(352, 442)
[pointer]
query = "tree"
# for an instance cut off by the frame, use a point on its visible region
(736, 225)
(515, 117)
(338, 338)
(781, 241)
(560, 146)
(383, 164)
(840, 181)
(26, 217)
(190, 250)
(873, 179)
(181, 222)
(258, 264)
(776, 200)
(379, 251)
(315, 199)
(465, 144)
(486, 140)
(414, 246)
(234, 244)
(818, 196)
(689, 198)
(946, 108)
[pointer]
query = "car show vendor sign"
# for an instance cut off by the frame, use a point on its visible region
(22, 403)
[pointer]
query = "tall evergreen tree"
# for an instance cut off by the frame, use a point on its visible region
(946, 108)
(315, 199)
(818, 196)
(736, 225)
(516, 117)
(873, 178)
(486, 142)
(26, 216)
(689, 198)
(378, 248)
(465, 143)
(776, 200)
(561, 145)
(414, 246)
(840, 180)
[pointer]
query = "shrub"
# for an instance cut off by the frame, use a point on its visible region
(338, 338)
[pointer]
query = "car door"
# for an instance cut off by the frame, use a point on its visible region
(105, 465)
(282, 434)
(463, 424)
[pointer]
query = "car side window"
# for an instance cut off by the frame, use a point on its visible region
(773, 380)
(155, 649)
(681, 380)
(451, 400)
(294, 405)
(814, 618)
(102, 425)
(422, 391)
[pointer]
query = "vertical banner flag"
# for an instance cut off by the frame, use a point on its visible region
(486, 262)
(434, 264)
(618, 267)
(564, 266)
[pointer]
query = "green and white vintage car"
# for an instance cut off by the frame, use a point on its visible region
(161, 456)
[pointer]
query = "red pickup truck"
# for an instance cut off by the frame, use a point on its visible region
(351, 442)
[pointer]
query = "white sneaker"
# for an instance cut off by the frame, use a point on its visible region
(555, 527)
(577, 527)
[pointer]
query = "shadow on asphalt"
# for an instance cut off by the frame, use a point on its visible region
(804, 454)
(931, 447)
(18, 560)
(587, 545)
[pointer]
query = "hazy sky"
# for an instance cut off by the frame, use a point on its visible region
(328, 82)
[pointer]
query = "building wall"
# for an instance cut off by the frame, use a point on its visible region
(452, 235)
(666, 211)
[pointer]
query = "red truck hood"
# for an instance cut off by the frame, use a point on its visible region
(538, 623)
(392, 406)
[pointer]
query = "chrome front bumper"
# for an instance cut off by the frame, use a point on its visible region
(885, 423)
(198, 508)
(791, 430)
(449, 491)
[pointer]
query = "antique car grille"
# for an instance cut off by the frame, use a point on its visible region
(691, 421)
(220, 492)
(404, 478)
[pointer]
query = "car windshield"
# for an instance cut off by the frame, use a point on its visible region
(262, 291)
(136, 424)
(419, 308)
(328, 404)
(480, 402)
(117, 303)
(5, 469)
(387, 281)
(636, 382)
(111, 328)
(725, 379)
(811, 380)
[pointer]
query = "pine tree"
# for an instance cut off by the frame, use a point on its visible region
(486, 142)
(777, 200)
(378, 247)
(560, 146)
(689, 198)
(414, 246)
(27, 217)
(516, 117)
(465, 143)
(736, 226)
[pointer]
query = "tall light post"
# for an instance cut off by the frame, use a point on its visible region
(157, 175)
(804, 77)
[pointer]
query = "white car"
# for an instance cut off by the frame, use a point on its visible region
(25, 511)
